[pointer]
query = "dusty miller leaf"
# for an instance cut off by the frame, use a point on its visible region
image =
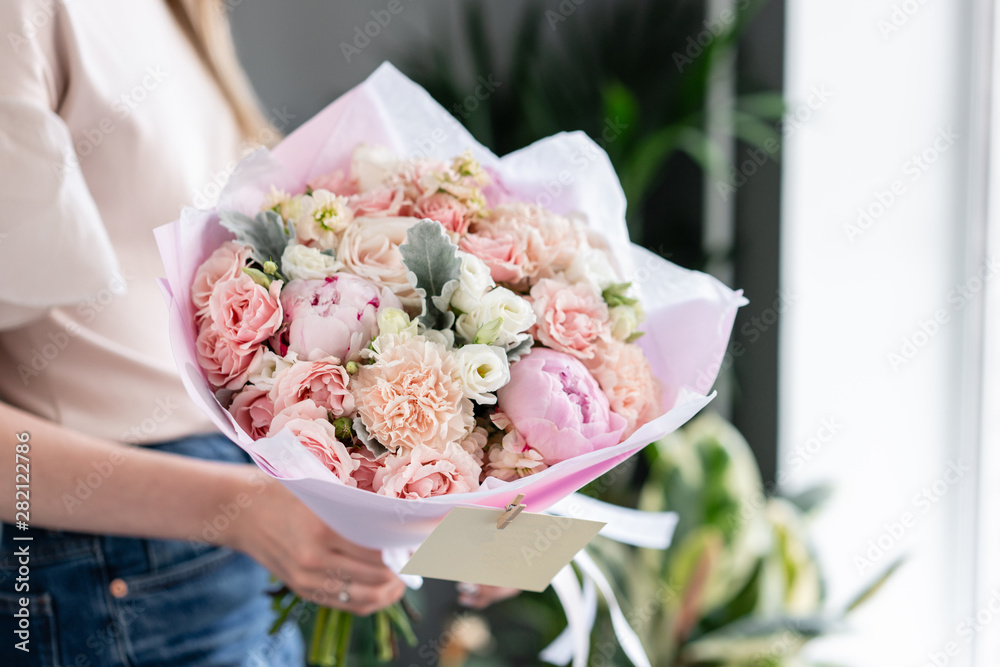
(432, 262)
(266, 233)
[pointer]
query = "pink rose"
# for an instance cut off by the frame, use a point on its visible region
(244, 311)
(370, 249)
(453, 215)
(424, 472)
(368, 467)
(569, 318)
(324, 381)
(226, 262)
(319, 437)
(306, 409)
(502, 250)
(336, 182)
(378, 203)
(334, 317)
(557, 406)
(552, 241)
(413, 396)
(226, 363)
(626, 378)
(253, 411)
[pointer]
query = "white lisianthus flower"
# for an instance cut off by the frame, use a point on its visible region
(515, 314)
(322, 219)
(483, 369)
(625, 320)
(395, 321)
(594, 267)
(473, 282)
(300, 262)
(267, 367)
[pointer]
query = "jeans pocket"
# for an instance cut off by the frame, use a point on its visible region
(28, 631)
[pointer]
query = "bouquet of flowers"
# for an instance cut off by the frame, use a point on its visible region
(394, 322)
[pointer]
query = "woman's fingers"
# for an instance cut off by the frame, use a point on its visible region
(476, 596)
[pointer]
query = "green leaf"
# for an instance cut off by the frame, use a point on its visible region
(266, 233)
(432, 261)
(521, 349)
(874, 587)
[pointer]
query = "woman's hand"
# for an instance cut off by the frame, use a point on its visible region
(476, 596)
(318, 564)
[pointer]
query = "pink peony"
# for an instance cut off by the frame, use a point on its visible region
(226, 363)
(370, 249)
(378, 203)
(569, 318)
(626, 378)
(226, 262)
(413, 396)
(453, 215)
(334, 317)
(324, 381)
(245, 312)
(253, 411)
(557, 407)
(423, 472)
(319, 437)
(368, 467)
(502, 250)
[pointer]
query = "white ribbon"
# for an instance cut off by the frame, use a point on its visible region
(628, 526)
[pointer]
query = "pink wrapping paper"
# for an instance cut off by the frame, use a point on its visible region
(690, 314)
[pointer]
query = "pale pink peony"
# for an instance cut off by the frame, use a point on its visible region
(370, 249)
(453, 215)
(378, 203)
(253, 411)
(413, 396)
(626, 378)
(319, 437)
(554, 403)
(424, 472)
(245, 312)
(368, 467)
(226, 363)
(569, 318)
(504, 251)
(226, 262)
(334, 317)
(324, 381)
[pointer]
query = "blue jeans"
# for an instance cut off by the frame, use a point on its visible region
(104, 601)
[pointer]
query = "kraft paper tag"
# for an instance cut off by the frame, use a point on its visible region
(468, 546)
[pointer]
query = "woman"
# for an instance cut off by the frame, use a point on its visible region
(113, 115)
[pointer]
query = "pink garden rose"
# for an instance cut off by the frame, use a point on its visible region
(453, 215)
(245, 312)
(226, 262)
(307, 422)
(424, 472)
(378, 203)
(253, 411)
(554, 403)
(413, 396)
(324, 381)
(624, 374)
(551, 241)
(226, 363)
(334, 317)
(504, 251)
(368, 467)
(569, 318)
(370, 249)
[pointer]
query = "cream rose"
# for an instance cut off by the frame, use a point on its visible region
(370, 249)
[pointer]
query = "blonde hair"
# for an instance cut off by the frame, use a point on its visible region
(205, 24)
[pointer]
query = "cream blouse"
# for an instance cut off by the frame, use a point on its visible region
(109, 124)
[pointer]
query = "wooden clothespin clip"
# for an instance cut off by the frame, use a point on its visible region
(511, 511)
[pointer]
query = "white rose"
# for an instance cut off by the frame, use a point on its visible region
(371, 165)
(594, 267)
(322, 218)
(267, 367)
(515, 314)
(300, 262)
(484, 369)
(473, 282)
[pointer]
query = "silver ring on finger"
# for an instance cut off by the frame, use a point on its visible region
(343, 595)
